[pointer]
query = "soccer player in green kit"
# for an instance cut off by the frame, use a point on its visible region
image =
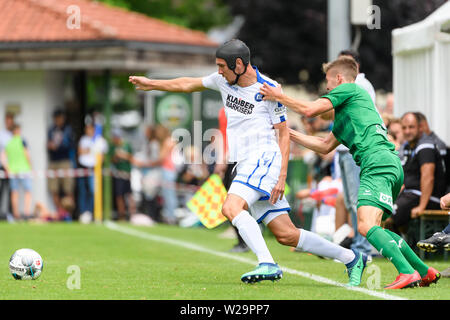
(358, 126)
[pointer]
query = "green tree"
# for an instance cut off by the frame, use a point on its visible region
(288, 38)
(194, 14)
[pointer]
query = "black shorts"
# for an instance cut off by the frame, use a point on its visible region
(405, 202)
(121, 186)
(229, 175)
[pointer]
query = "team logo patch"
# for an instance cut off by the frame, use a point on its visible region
(258, 97)
(386, 199)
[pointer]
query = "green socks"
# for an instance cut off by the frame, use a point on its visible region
(388, 247)
(409, 254)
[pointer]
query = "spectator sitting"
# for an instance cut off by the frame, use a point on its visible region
(17, 163)
(424, 181)
(42, 213)
(395, 133)
(425, 129)
(60, 145)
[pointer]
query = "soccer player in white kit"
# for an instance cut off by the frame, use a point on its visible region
(262, 162)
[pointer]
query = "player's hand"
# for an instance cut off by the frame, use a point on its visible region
(270, 93)
(277, 191)
(141, 83)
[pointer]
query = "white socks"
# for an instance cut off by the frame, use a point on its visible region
(308, 241)
(251, 233)
(313, 243)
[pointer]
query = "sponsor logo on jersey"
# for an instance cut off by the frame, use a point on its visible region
(239, 104)
(280, 109)
(386, 199)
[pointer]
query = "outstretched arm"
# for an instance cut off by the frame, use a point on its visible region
(306, 108)
(317, 144)
(185, 84)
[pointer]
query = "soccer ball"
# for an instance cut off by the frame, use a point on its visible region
(26, 264)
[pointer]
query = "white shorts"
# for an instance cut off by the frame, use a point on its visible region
(254, 182)
(260, 172)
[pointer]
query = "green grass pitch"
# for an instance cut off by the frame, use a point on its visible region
(139, 263)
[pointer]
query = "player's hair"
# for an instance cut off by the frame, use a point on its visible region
(353, 54)
(345, 65)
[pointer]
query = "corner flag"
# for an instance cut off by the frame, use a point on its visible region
(207, 202)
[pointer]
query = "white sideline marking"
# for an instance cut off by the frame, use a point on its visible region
(144, 235)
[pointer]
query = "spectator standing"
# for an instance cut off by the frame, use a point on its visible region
(121, 157)
(89, 146)
(60, 145)
(17, 163)
(5, 136)
(168, 171)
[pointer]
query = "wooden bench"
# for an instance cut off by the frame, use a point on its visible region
(431, 221)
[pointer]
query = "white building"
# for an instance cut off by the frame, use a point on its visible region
(421, 54)
(49, 48)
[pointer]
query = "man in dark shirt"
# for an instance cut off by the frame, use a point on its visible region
(424, 181)
(60, 146)
(440, 144)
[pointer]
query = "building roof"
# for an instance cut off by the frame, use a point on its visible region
(54, 21)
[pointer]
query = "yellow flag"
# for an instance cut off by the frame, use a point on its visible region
(207, 202)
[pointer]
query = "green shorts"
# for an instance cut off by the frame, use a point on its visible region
(381, 180)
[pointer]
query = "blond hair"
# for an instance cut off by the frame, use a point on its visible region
(344, 65)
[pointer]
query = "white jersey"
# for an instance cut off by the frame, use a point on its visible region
(250, 119)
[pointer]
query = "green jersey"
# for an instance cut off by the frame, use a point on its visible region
(121, 164)
(17, 159)
(357, 123)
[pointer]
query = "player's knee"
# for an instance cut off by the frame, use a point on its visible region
(229, 210)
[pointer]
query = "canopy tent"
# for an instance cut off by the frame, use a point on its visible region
(421, 62)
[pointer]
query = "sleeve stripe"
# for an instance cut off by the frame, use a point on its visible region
(424, 146)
